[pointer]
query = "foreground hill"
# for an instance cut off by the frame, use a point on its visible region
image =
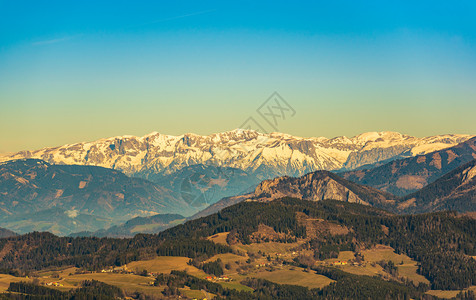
(318, 186)
(454, 191)
(263, 155)
(313, 232)
(404, 176)
(315, 186)
(79, 195)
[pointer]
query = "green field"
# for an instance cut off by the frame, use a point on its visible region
(128, 282)
(195, 294)
(6, 279)
(165, 264)
(448, 294)
(228, 258)
(270, 248)
(219, 238)
(407, 269)
(295, 277)
(343, 255)
(237, 269)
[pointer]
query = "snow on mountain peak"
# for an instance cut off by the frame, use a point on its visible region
(374, 136)
(271, 154)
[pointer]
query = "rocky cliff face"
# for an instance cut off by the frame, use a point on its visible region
(382, 147)
(315, 186)
(320, 185)
(368, 158)
(264, 155)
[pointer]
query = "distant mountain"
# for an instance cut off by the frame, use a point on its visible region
(5, 233)
(262, 155)
(153, 224)
(84, 188)
(30, 188)
(55, 220)
(315, 186)
(454, 191)
(202, 185)
(405, 176)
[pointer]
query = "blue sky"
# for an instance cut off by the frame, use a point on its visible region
(75, 71)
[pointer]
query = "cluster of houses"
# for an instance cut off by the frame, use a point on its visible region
(53, 283)
(107, 271)
(344, 263)
(123, 270)
(221, 278)
(261, 265)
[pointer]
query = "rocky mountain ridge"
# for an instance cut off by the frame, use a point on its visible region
(454, 191)
(264, 155)
(320, 185)
(404, 176)
(314, 186)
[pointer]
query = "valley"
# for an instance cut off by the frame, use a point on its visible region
(237, 150)
(217, 231)
(320, 247)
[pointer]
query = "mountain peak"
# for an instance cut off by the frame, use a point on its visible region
(374, 136)
(454, 191)
(269, 155)
(237, 134)
(320, 185)
(32, 162)
(409, 174)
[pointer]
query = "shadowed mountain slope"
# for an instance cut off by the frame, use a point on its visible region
(405, 176)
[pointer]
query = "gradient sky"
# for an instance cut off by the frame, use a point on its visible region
(80, 70)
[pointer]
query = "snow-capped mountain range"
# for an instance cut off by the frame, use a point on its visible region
(265, 155)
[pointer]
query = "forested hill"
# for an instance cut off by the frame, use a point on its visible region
(442, 242)
(314, 186)
(454, 191)
(321, 185)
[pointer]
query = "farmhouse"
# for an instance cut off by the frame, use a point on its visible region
(53, 284)
(224, 278)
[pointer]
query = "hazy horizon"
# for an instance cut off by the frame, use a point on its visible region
(72, 72)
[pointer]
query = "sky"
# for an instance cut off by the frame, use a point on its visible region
(74, 71)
